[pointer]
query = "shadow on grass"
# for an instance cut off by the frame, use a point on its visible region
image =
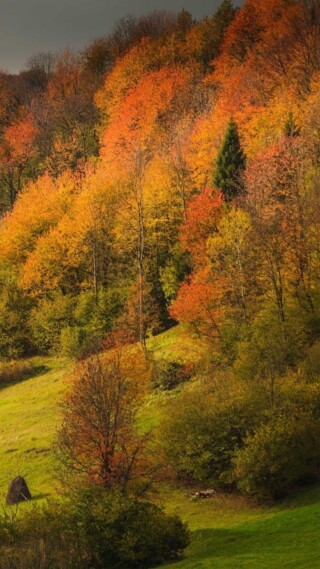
(219, 542)
(306, 496)
(214, 546)
(35, 372)
(286, 538)
(39, 496)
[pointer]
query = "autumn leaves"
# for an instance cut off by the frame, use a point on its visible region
(202, 203)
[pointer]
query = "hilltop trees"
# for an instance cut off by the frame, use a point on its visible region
(17, 151)
(127, 210)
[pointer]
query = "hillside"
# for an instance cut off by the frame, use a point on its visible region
(227, 531)
(29, 414)
(30, 411)
(160, 208)
(228, 534)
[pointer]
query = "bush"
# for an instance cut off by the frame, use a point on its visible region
(98, 310)
(39, 538)
(78, 343)
(167, 375)
(273, 350)
(95, 529)
(76, 325)
(49, 318)
(73, 342)
(15, 336)
(202, 431)
(14, 371)
(124, 532)
(279, 455)
(93, 319)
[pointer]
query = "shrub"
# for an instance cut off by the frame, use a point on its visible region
(167, 375)
(39, 538)
(73, 342)
(201, 432)
(93, 317)
(98, 310)
(78, 343)
(15, 336)
(124, 532)
(14, 371)
(94, 529)
(274, 349)
(49, 318)
(279, 455)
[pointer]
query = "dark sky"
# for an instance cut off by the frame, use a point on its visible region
(30, 26)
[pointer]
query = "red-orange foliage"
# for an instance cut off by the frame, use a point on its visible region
(16, 151)
(136, 209)
(98, 438)
(129, 70)
(271, 179)
(203, 213)
(145, 116)
(19, 139)
(199, 304)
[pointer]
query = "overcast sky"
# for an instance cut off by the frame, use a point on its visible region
(31, 26)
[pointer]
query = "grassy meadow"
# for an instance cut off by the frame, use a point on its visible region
(228, 532)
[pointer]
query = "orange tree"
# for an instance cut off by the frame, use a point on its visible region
(98, 439)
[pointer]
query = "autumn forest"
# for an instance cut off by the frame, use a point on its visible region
(166, 180)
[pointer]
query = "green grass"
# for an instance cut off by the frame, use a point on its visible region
(30, 411)
(227, 532)
(177, 345)
(29, 416)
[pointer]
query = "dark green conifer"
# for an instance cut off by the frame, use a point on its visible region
(230, 164)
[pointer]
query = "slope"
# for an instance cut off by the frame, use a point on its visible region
(228, 532)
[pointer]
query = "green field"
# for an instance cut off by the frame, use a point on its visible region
(227, 532)
(29, 415)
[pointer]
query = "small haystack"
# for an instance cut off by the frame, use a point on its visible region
(18, 491)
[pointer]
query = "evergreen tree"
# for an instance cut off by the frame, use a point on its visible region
(184, 22)
(230, 164)
(223, 18)
(212, 32)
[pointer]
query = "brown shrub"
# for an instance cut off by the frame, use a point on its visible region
(11, 372)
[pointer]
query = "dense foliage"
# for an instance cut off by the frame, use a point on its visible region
(112, 218)
(170, 173)
(92, 530)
